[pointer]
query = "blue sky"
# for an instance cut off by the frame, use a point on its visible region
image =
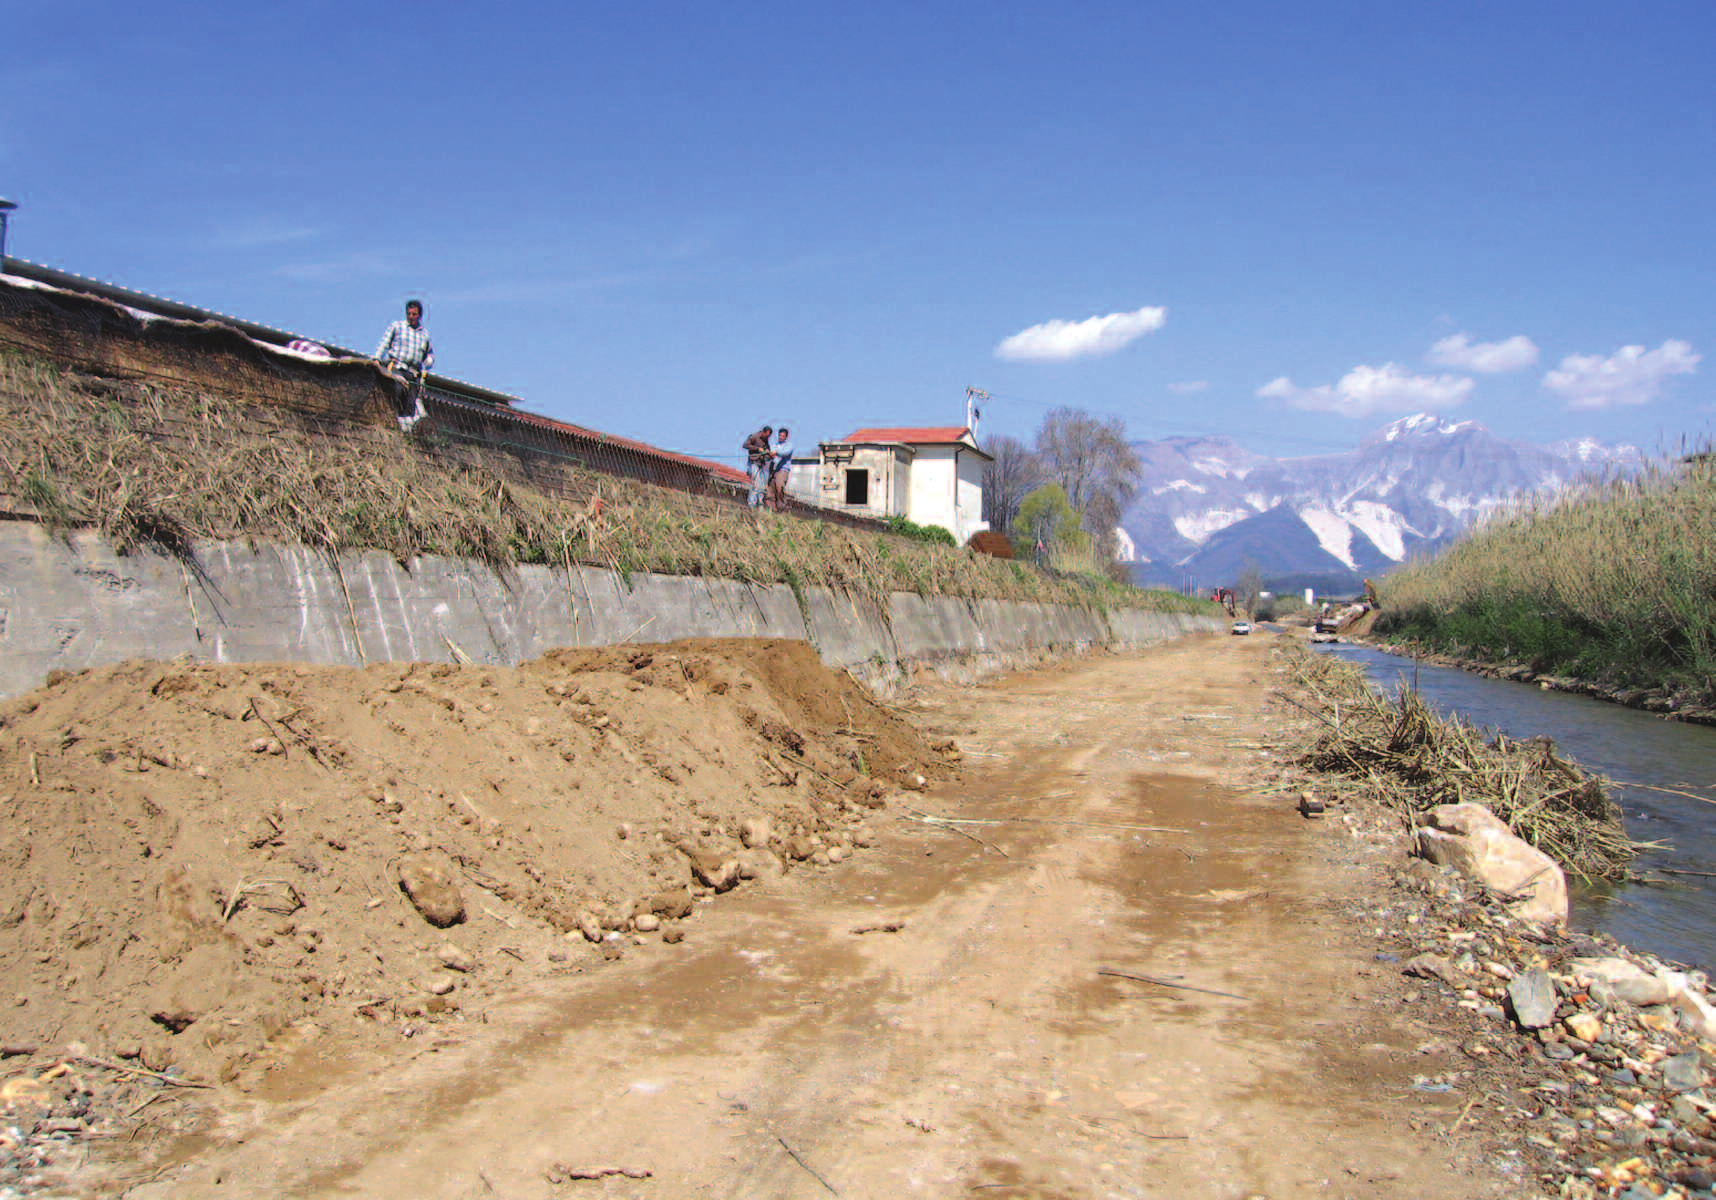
(676, 221)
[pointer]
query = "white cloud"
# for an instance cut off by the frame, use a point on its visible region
(1189, 386)
(1486, 358)
(1364, 391)
(1058, 341)
(1631, 375)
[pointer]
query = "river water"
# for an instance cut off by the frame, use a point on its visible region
(1627, 746)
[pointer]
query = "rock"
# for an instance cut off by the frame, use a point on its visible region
(1479, 845)
(837, 854)
(673, 936)
(1688, 999)
(671, 905)
(1645, 990)
(863, 835)
(429, 882)
(1558, 1051)
(589, 926)
(439, 987)
(1587, 1027)
(647, 923)
(714, 869)
(1532, 998)
(755, 832)
(799, 847)
(760, 863)
(456, 959)
(1682, 1073)
(820, 858)
(1430, 966)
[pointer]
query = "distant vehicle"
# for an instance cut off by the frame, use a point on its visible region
(1241, 627)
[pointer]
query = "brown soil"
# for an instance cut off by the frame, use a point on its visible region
(928, 1019)
(198, 858)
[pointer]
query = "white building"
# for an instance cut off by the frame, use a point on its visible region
(933, 476)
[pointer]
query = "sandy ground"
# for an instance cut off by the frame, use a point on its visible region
(927, 1018)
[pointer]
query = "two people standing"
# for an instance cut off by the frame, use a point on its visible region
(768, 459)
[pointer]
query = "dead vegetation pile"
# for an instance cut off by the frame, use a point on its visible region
(163, 466)
(1412, 759)
(200, 864)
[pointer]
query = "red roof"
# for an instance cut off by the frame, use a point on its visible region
(643, 448)
(933, 435)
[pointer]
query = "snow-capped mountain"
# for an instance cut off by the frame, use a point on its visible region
(1209, 507)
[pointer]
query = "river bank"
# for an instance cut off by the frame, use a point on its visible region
(1591, 1057)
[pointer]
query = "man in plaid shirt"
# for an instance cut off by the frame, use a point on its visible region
(406, 343)
(405, 350)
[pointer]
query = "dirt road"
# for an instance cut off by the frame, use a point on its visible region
(967, 1044)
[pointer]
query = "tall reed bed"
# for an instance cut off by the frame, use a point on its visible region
(1614, 582)
(161, 466)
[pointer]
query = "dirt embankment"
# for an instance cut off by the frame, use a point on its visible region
(199, 859)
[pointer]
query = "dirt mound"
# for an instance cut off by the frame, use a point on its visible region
(197, 859)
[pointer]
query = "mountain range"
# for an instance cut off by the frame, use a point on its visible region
(1209, 508)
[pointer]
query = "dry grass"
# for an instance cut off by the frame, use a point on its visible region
(1411, 759)
(159, 466)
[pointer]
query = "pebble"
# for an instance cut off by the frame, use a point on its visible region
(456, 959)
(647, 922)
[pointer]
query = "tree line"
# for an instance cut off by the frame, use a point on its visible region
(1061, 498)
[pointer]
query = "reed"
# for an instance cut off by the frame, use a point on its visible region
(1403, 754)
(161, 466)
(1613, 582)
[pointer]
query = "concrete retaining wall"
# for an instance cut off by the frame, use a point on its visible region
(73, 604)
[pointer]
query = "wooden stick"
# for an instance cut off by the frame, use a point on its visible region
(87, 1060)
(560, 1172)
(1184, 987)
(805, 1165)
(1696, 874)
(924, 818)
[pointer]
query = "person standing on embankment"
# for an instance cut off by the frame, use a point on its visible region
(405, 352)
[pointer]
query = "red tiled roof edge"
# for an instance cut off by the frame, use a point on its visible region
(922, 435)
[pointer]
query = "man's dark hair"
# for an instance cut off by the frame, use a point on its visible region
(411, 304)
(784, 429)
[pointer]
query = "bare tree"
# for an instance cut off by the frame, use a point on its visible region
(1249, 588)
(1015, 474)
(1095, 464)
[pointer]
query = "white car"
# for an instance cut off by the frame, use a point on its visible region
(1241, 627)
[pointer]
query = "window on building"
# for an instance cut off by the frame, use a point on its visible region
(858, 487)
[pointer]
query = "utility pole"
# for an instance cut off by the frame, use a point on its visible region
(973, 413)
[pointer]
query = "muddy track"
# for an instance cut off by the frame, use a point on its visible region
(974, 1048)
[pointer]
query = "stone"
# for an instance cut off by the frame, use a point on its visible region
(647, 923)
(837, 854)
(429, 882)
(1682, 1073)
(1558, 1051)
(1430, 966)
(863, 835)
(1644, 990)
(1696, 1013)
(1532, 998)
(755, 832)
(439, 987)
(1479, 845)
(589, 926)
(820, 858)
(713, 868)
(673, 905)
(673, 936)
(456, 959)
(799, 848)
(1587, 1027)
(760, 863)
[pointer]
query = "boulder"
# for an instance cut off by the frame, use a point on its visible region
(429, 882)
(1478, 844)
(760, 863)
